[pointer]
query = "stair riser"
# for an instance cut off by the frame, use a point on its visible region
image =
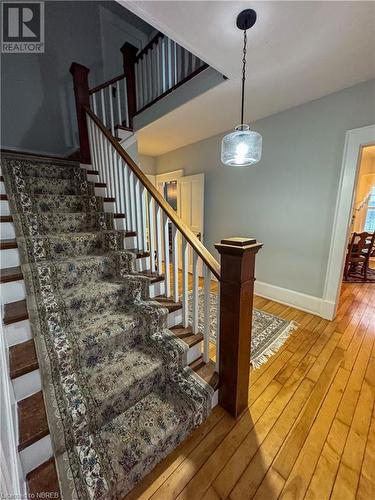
(174, 318)
(35, 454)
(27, 384)
(19, 332)
(9, 258)
(12, 291)
(7, 231)
(4, 207)
(2, 188)
(157, 289)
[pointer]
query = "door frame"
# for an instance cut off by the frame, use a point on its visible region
(355, 140)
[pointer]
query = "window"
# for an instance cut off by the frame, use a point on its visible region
(370, 217)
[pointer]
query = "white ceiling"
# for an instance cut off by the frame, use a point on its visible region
(297, 51)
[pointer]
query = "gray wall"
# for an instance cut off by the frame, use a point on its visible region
(287, 201)
(37, 102)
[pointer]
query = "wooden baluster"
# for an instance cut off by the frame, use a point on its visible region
(144, 205)
(166, 257)
(158, 69)
(127, 122)
(169, 63)
(119, 186)
(207, 311)
(137, 86)
(146, 98)
(236, 305)
(121, 174)
(158, 239)
(132, 200)
(175, 262)
(104, 117)
(94, 103)
(129, 53)
(151, 226)
(185, 283)
(102, 153)
(138, 211)
(164, 64)
(126, 204)
(118, 96)
(149, 74)
(110, 97)
(82, 98)
(195, 293)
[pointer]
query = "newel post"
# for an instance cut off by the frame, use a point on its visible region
(129, 53)
(82, 97)
(236, 307)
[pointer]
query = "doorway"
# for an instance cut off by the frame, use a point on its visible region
(356, 140)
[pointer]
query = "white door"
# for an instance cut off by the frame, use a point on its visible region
(190, 205)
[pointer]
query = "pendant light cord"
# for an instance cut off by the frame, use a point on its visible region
(243, 74)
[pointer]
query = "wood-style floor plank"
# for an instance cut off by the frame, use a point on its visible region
(309, 430)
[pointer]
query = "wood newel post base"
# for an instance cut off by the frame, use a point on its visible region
(129, 53)
(81, 91)
(236, 307)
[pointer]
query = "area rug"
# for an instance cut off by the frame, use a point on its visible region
(357, 277)
(269, 332)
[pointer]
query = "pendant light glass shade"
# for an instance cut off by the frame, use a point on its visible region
(241, 148)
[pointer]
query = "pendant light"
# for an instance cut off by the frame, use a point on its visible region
(243, 147)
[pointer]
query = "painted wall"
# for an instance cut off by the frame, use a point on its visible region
(37, 101)
(287, 201)
(147, 164)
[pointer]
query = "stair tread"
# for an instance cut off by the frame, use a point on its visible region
(187, 335)
(140, 253)
(6, 218)
(206, 371)
(43, 480)
(11, 274)
(154, 277)
(92, 172)
(3, 197)
(32, 420)
(15, 311)
(8, 243)
(168, 303)
(22, 359)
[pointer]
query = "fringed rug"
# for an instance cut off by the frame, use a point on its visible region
(269, 332)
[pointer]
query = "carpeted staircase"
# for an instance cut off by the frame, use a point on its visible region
(118, 393)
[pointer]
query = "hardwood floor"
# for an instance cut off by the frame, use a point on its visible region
(309, 431)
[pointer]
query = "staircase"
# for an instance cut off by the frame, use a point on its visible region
(107, 363)
(108, 329)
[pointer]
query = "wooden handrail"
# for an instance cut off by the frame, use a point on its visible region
(105, 84)
(185, 230)
(147, 47)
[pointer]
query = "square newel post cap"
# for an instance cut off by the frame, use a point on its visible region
(77, 69)
(238, 245)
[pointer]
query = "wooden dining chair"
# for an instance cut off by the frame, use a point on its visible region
(359, 252)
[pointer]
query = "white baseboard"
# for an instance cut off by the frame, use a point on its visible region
(308, 303)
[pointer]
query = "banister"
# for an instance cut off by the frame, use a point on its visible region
(149, 46)
(188, 234)
(105, 84)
